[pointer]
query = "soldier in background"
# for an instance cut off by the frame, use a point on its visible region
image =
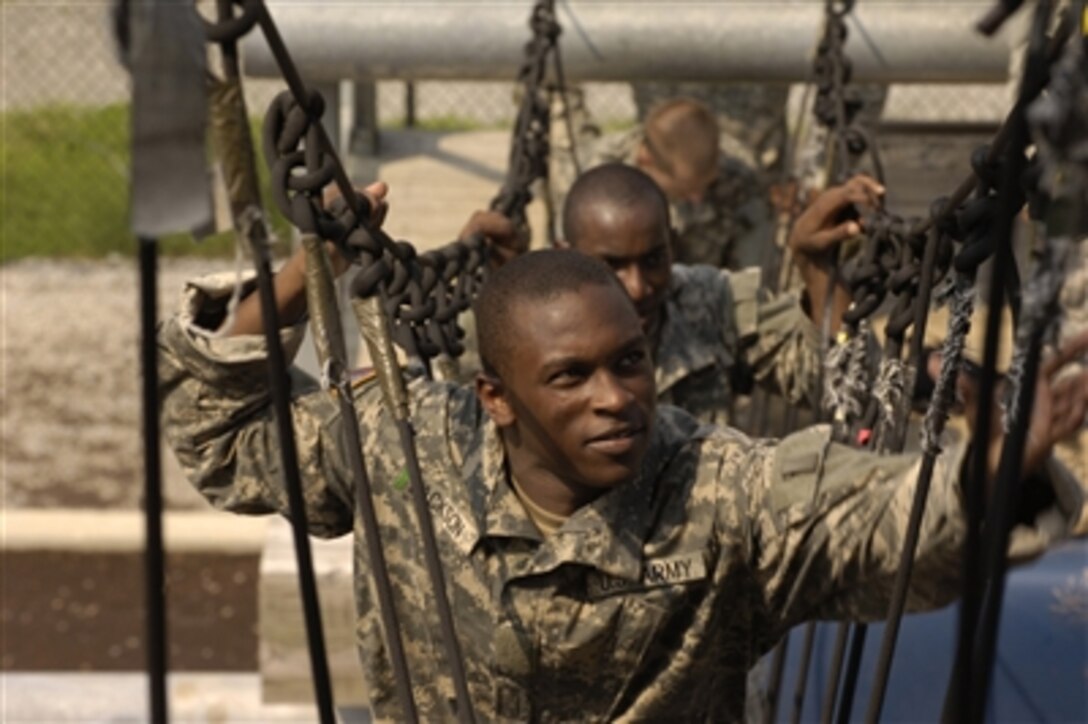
(607, 559)
(718, 204)
(713, 333)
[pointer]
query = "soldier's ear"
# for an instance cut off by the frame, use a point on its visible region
(492, 395)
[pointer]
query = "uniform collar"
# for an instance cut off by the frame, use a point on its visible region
(503, 516)
(680, 353)
(607, 534)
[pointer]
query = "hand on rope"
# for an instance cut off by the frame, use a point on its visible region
(423, 294)
(820, 227)
(504, 239)
(1060, 409)
(820, 230)
(290, 281)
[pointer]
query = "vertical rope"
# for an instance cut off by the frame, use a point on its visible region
(154, 555)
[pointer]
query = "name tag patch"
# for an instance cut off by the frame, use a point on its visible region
(459, 528)
(656, 572)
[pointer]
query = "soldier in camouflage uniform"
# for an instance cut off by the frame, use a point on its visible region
(713, 332)
(607, 559)
(717, 203)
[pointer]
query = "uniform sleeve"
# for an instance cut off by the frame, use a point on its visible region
(780, 345)
(828, 524)
(218, 418)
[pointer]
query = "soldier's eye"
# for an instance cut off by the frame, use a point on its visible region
(567, 377)
(632, 360)
(654, 259)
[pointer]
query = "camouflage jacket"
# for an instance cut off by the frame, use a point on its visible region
(649, 604)
(722, 332)
(731, 228)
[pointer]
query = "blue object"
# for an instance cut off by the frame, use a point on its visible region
(1041, 673)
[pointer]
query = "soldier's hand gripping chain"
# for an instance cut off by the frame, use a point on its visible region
(504, 239)
(819, 230)
(290, 281)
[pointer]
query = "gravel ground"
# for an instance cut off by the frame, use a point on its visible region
(70, 397)
(70, 611)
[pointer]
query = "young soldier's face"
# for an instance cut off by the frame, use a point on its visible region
(579, 387)
(634, 242)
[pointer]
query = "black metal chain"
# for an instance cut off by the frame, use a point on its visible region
(250, 224)
(423, 294)
(837, 105)
(530, 144)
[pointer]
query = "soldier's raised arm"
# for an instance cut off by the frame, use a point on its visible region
(779, 335)
(504, 240)
(827, 521)
(290, 282)
(216, 405)
(818, 231)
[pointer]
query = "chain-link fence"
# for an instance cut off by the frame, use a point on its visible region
(64, 109)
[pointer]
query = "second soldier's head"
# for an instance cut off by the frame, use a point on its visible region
(618, 215)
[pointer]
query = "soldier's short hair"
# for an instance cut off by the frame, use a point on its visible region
(682, 132)
(610, 185)
(536, 277)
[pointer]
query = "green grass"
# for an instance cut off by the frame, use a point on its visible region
(448, 124)
(65, 178)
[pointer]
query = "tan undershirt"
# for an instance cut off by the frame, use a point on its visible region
(545, 521)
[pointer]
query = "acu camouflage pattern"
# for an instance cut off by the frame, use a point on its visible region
(731, 228)
(722, 332)
(1074, 303)
(650, 603)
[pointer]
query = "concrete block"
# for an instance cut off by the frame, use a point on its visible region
(284, 653)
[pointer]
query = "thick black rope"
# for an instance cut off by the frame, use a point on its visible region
(1058, 120)
(154, 556)
(529, 148)
(298, 194)
(332, 353)
(807, 646)
(836, 108)
(992, 215)
(253, 229)
(890, 261)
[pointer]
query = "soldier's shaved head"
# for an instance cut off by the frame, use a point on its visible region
(681, 135)
(610, 189)
(535, 278)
